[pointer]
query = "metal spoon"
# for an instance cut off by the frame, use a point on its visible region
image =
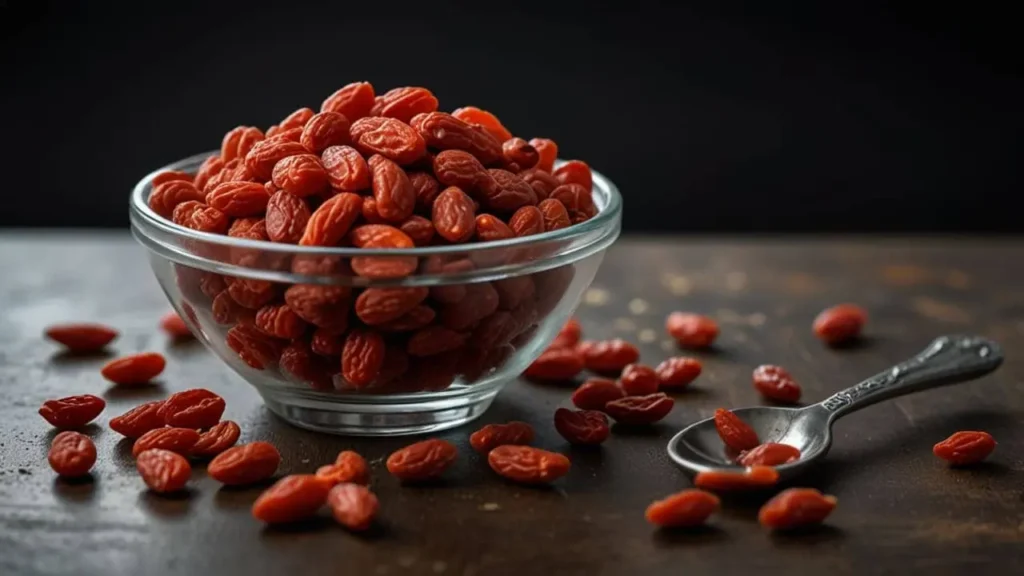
(948, 360)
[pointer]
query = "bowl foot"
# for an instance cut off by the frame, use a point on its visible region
(412, 416)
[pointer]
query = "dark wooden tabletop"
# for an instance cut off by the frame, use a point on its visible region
(900, 510)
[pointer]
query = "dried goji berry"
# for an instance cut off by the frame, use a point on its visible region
(635, 410)
(352, 505)
(353, 101)
(775, 383)
(426, 188)
(493, 435)
(174, 326)
(965, 447)
(170, 176)
(332, 220)
(72, 454)
(595, 393)
(569, 335)
(323, 306)
(556, 364)
(392, 190)
(445, 132)
(691, 330)
(211, 284)
(541, 182)
(324, 130)
(167, 196)
(504, 191)
(245, 464)
(216, 440)
(678, 372)
(609, 355)
(577, 201)
(72, 411)
(287, 217)
(139, 420)
(178, 440)
(453, 215)
(638, 380)
(279, 321)
(683, 509)
(422, 460)
(82, 338)
(253, 346)
(796, 507)
(734, 432)
(575, 172)
(291, 499)
(250, 293)
(404, 103)
(238, 142)
(769, 454)
(346, 169)
(459, 168)
(380, 305)
(211, 166)
(267, 153)
(555, 215)
(227, 312)
(527, 221)
(134, 369)
(362, 357)
(480, 301)
(388, 137)
(251, 227)
(298, 361)
(547, 151)
(348, 467)
(490, 229)
(326, 342)
(528, 465)
(582, 426)
(484, 119)
(751, 478)
(195, 408)
(162, 470)
(198, 216)
(418, 228)
(300, 175)
(520, 152)
(296, 119)
(239, 199)
(840, 324)
(382, 236)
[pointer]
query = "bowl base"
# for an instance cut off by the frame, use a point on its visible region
(393, 419)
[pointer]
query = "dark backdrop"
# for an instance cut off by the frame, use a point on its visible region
(753, 116)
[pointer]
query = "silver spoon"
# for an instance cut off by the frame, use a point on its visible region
(948, 360)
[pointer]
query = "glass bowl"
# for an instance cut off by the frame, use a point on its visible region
(485, 312)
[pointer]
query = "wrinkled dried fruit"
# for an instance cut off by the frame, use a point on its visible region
(585, 427)
(595, 393)
(445, 132)
(426, 188)
(238, 142)
(300, 175)
(637, 410)
(381, 305)
(459, 168)
(353, 101)
(348, 467)
(481, 300)
(254, 347)
(769, 454)
(683, 509)
(353, 506)
(198, 216)
(388, 137)
(796, 507)
(291, 499)
(261, 160)
(195, 408)
(965, 447)
(609, 355)
(404, 103)
(324, 130)
(287, 216)
(280, 321)
(332, 220)
(527, 221)
(484, 119)
(503, 191)
(72, 454)
(490, 229)
(323, 306)
(577, 201)
(528, 465)
(82, 338)
(245, 464)
(638, 380)
(419, 317)
(520, 152)
(775, 383)
(170, 176)
(453, 215)
(493, 435)
(177, 440)
(139, 420)
(162, 470)
(216, 440)
(677, 372)
(575, 172)
(362, 357)
(392, 189)
(840, 324)
(541, 182)
(167, 196)
(734, 432)
(72, 411)
(298, 362)
(134, 369)
(547, 151)
(210, 167)
(751, 478)
(381, 267)
(556, 216)
(691, 330)
(556, 364)
(422, 460)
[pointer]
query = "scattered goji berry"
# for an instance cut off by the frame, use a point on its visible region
(556, 364)
(82, 338)
(493, 435)
(840, 324)
(638, 380)
(177, 440)
(769, 454)
(422, 460)
(72, 454)
(348, 467)
(352, 505)
(568, 335)
(775, 383)
(175, 326)
(609, 355)
(195, 408)
(734, 432)
(965, 447)
(585, 427)
(677, 372)
(595, 393)
(139, 420)
(72, 411)
(637, 410)
(134, 369)
(796, 507)
(691, 330)
(216, 440)
(245, 464)
(751, 478)
(291, 499)
(162, 470)
(528, 465)
(683, 509)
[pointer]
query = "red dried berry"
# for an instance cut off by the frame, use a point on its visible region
(965, 448)
(291, 499)
(585, 427)
(840, 324)
(528, 465)
(245, 464)
(677, 372)
(734, 432)
(638, 380)
(162, 470)
(216, 439)
(82, 338)
(422, 460)
(134, 369)
(195, 408)
(638, 410)
(796, 507)
(769, 454)
(753, 478)
(72, 411)
(691, 330)
(493, 435)
(609, 355)
(138, 420)
(595, 393)
(556, 364)
(349, 467)
(683, 509)
(72, 454)
(775, 383)
(353, 101)
(177, 440)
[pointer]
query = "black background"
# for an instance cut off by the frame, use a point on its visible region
(752, 116)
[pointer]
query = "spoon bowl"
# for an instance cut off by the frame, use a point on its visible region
(947, 360)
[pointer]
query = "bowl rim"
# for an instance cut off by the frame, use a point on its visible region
(145, 220)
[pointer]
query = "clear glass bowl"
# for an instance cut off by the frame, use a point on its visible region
(504, 302)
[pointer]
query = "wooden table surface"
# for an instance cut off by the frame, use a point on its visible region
(900, 510)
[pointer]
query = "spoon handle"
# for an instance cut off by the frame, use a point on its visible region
(947, 360)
